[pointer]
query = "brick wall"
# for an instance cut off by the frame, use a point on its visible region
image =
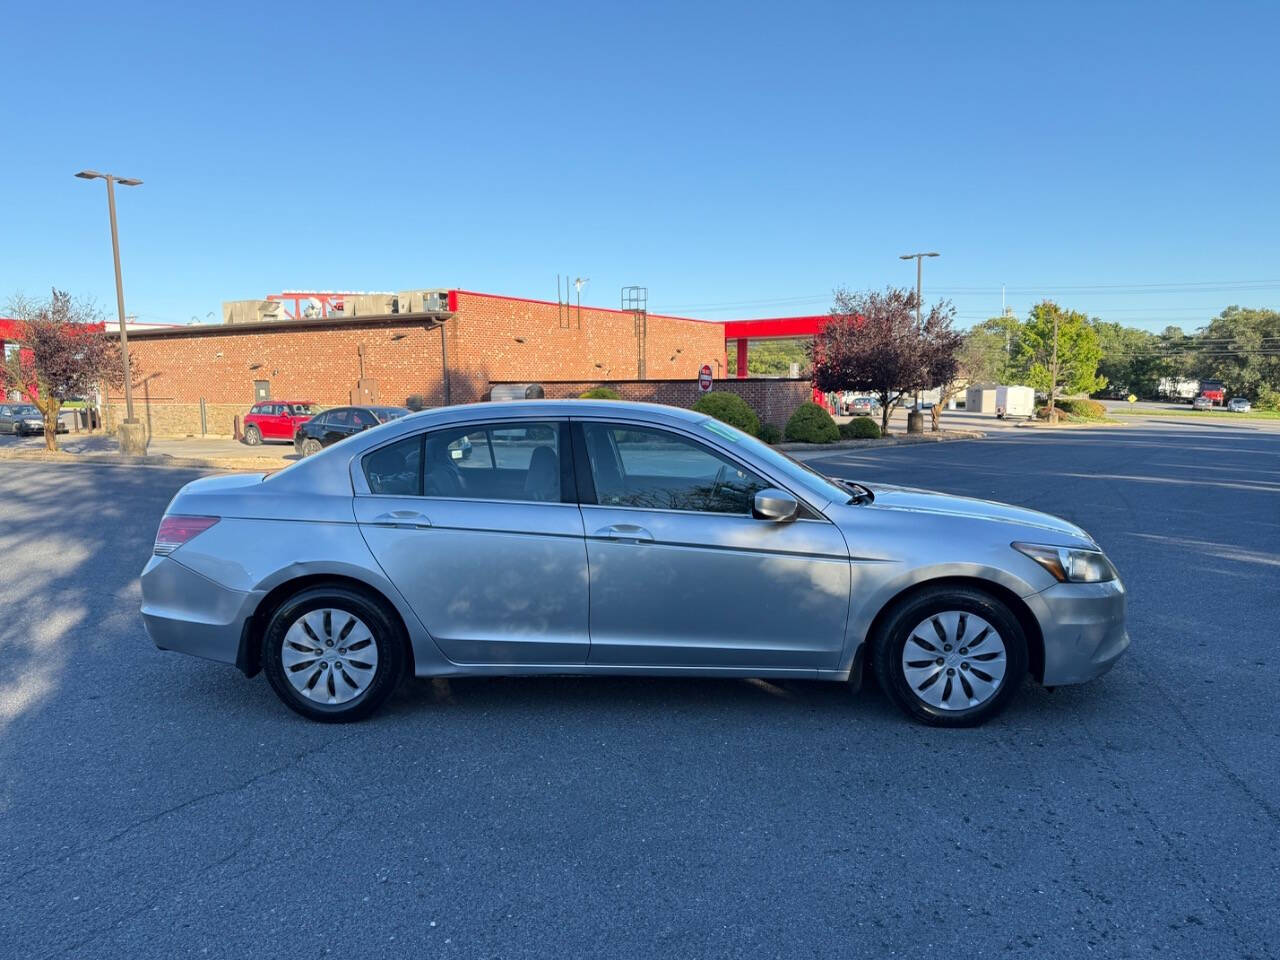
(489, 339)
(502, 339)
(773, 400)
(303, 362)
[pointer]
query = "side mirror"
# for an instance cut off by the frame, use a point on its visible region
(776, 505)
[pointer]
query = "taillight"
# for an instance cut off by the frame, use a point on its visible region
(176, 530)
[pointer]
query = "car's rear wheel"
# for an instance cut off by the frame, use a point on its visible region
(951, 656)
(310, 447)
(333, 654)
(252, 435)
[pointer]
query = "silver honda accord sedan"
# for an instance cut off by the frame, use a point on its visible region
(557, 537)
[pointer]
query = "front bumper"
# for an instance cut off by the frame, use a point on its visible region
(1083, 629)
(189, 613)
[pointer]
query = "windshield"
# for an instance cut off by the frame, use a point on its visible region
(386, 414)
(26, 410)
(786, 466)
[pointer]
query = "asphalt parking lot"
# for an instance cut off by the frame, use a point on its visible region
(152, 805)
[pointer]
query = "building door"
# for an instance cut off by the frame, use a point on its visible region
(261, 390)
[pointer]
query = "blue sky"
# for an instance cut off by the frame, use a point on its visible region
(738, 159)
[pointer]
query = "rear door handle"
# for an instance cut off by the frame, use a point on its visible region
(404, 519)
(625, 533)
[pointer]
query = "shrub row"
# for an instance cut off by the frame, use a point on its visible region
(809, 424)
(1076, 408)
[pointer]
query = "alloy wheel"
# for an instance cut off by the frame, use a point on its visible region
(954, 660)
(329, 656)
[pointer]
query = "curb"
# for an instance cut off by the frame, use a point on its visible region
(943, 436)
(254, 465)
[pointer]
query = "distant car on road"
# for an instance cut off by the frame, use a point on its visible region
(24, 419)
(1201, 403)
(864, 406)
(1239, 405)
(275, 420)
(339, 423)
(594, 537)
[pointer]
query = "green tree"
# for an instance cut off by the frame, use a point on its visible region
(1061, 353)
(1240, 347)
(1133, 360)
(773, 358)
(990, 352)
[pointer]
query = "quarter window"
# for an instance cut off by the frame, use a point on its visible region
(396, 469)
(641, 467)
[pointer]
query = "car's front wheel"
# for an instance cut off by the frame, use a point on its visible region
(252, 435)
(333, 654)
(310, 447)
(951, 656)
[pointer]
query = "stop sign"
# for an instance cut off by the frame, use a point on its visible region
(704, 378)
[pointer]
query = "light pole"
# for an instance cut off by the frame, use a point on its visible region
(919, 259)
(131, 436)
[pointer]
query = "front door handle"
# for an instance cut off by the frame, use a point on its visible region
(403, 519)
(625, 533)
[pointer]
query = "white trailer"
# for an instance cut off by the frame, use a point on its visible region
(1015, 402)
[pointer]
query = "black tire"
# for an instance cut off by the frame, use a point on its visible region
(311, 446)
(887, 652)
(387, 634)
(252, 435)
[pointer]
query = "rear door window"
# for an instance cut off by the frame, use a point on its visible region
(514, 461)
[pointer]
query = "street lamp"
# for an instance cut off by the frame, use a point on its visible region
(919, 259)
(131, 436)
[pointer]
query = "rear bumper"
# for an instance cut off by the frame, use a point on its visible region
(189, 613)
(1083, 628)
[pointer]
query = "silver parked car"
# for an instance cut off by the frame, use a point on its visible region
(1239, 405)
(617, 538)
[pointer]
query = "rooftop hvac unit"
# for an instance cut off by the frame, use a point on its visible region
(424, 301)
(251, 311)
(371, 305)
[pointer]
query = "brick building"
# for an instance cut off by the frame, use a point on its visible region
(197, 379)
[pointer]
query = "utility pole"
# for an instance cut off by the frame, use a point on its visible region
(919, 259)
(1053, 384)
(132, 437)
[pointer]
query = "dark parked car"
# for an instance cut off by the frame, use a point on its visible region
(339, 423)
(23, 419)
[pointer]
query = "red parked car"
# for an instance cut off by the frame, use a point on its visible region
(275, 420)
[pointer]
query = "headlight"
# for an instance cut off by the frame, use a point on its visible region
(1070, 564)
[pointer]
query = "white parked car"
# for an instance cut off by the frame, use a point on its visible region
(1239, 405)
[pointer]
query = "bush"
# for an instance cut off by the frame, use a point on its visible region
(600, 393)
(1078, 408)
(860, 428)
(811, 424)
(729, 408)
(1268, 399)
(769, 433)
